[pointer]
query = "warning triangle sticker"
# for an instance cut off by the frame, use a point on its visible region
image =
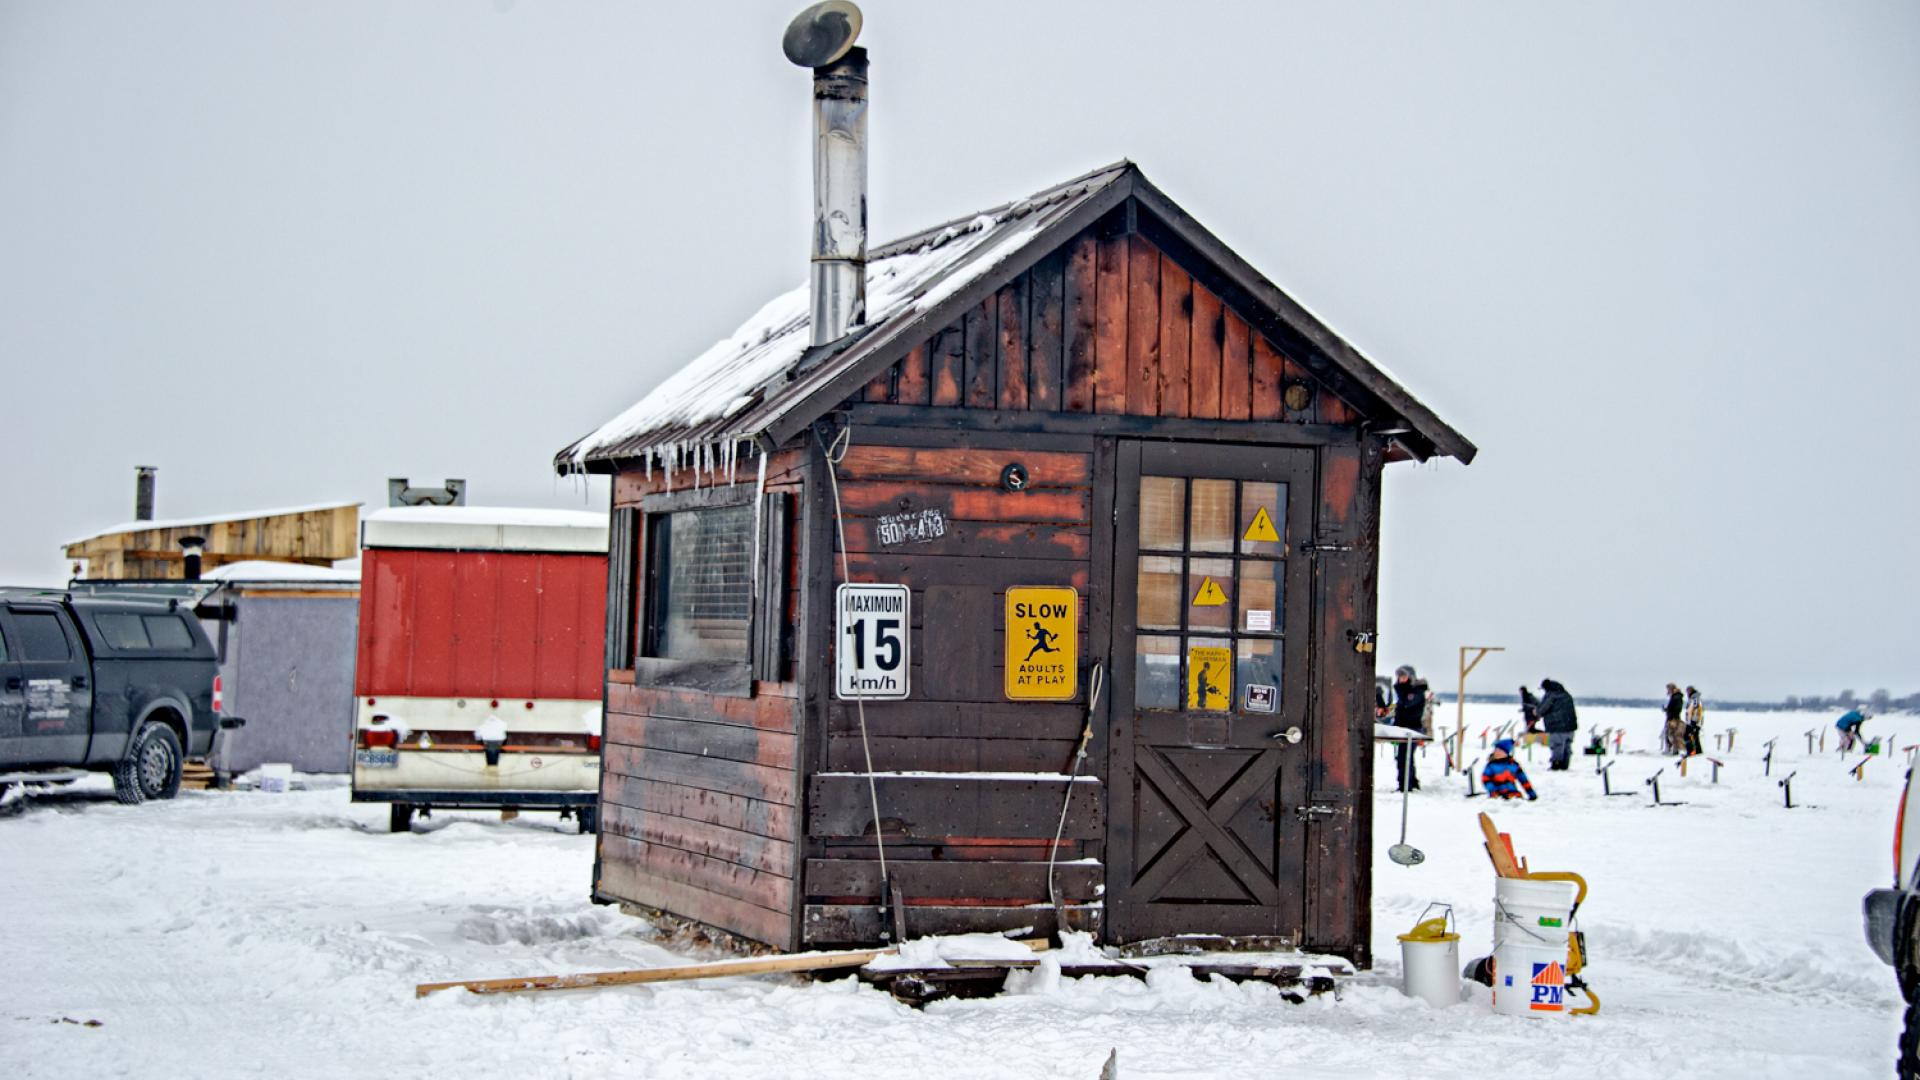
(1211, 595)
(1262, 528)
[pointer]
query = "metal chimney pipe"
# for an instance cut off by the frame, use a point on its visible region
(839, 281)
(191, 549)
(143, 492)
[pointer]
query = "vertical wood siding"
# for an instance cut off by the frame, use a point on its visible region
(1107, 325)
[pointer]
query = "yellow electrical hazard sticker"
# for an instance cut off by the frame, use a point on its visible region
(1262, 528)
(1210, 595)
(1209, 677)
(1043, 643)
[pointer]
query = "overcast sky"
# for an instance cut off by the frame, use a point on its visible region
(1660, 261)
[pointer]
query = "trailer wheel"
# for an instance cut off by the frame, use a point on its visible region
(399, 818)
(151, 769)
(589, 818)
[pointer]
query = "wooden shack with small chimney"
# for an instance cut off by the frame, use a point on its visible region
(150, 549)
(1065, 473)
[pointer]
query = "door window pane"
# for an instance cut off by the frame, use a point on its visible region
(1212, 515)
(1209, 674)
(1210, 594)
(1156, 672)
(1162, 513)
(40, 636)
(1257, 678)
(1263, 518)
(1261, 595)
(1159, 589)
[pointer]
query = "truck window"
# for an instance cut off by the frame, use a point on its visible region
(167, 632)
(40, 636)
(122, 631)
(3, 647)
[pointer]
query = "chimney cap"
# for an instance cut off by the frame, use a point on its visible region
(822, 33)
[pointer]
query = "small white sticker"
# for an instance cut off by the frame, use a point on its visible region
(1260, 619)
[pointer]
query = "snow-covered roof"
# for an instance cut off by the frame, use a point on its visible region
(212, 519)
(731, 392)
(764, 382)
(485, 528)
(265, 571)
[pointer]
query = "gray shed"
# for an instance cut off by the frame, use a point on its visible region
(286, 664)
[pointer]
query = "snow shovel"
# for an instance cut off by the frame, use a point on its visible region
(1404, 853)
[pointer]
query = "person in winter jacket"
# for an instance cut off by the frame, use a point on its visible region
(1849, 725)
(1558, 718)
(1530, 714)
(1696, 719)
(1503, 777)
(1675, 736)
(1409, 711)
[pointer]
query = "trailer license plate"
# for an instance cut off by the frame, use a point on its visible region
(381, 758)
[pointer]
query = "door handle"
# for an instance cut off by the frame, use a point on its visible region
(79, 682)
(1291, 736)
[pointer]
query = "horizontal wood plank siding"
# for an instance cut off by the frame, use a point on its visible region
(699, 792)
(857, 880)
(938, 807)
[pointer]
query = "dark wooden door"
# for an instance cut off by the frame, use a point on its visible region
(1208, 756)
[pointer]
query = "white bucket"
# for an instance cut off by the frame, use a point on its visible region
(1528, 912)
(1431, 970)
(1530, 979)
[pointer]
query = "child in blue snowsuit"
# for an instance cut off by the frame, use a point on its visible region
(1503, 777)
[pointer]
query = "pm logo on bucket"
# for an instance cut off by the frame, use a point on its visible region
(1549, 987)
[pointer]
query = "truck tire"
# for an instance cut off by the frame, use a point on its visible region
(151, 769)
(589, 819)
(399, 818)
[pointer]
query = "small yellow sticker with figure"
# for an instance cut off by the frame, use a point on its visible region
(1209, 677)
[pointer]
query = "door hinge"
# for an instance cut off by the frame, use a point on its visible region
(1313, 548)
(1308, 813)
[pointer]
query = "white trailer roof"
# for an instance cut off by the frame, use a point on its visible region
(485, 528)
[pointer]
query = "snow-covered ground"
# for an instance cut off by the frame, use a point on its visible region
(239, 934)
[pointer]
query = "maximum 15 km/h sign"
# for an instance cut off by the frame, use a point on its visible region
(872, 657)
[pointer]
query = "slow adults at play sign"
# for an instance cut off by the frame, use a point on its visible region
(1043, 643)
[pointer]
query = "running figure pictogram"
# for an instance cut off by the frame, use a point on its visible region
(1042, 639)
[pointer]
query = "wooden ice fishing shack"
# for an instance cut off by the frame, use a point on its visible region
(1084, 390)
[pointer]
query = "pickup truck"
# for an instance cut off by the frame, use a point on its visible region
(126, 685)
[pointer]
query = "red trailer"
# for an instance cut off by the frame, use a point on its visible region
(478, 674)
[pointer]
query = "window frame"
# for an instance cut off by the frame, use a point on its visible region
(766, 651)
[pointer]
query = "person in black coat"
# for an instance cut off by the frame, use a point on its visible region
(1409, 711)
(1558, 718)
(1675, 735)
(1529, 709)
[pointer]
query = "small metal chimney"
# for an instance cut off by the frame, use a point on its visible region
(191, 550)
(821, 38)
(143, 492)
